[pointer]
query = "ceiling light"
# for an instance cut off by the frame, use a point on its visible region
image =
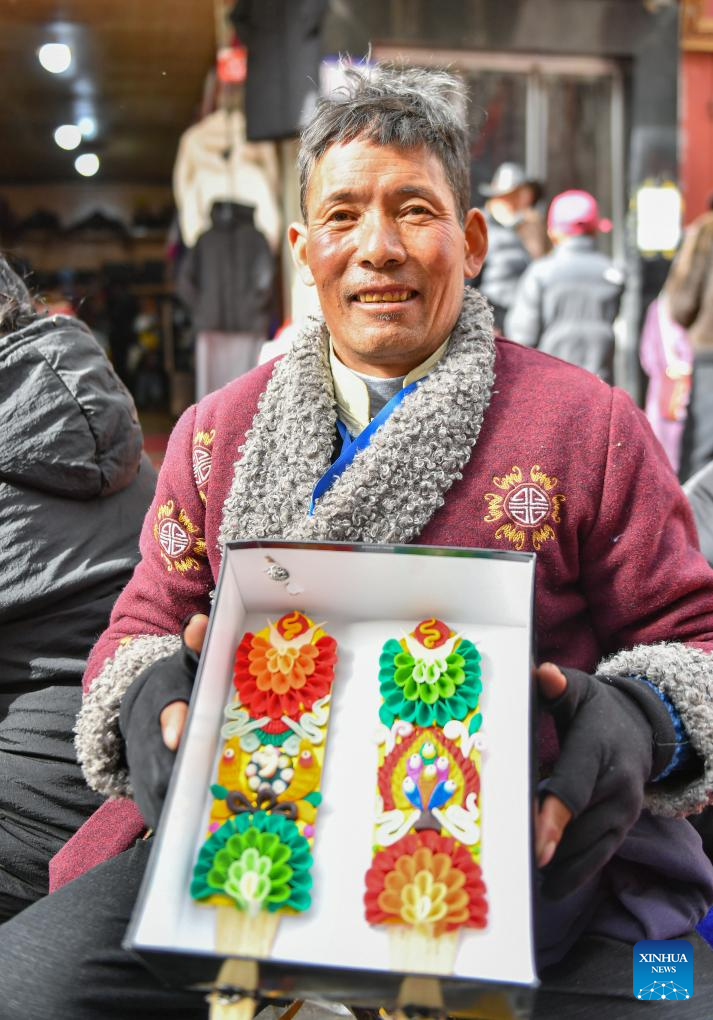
(68, 136)
(55, 57)
(88, 126)
(87, 164)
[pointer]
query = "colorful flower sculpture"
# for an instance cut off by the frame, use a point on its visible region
(429, 677)
(286, 671)
(256, 862)
(425, 881)
(428, 882)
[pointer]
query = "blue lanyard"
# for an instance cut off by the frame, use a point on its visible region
(351, 447)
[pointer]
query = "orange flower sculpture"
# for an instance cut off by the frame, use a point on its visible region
(428, 882)
(284, 670)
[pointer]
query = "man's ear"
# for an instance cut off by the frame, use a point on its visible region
(476, 242)
(297, 237)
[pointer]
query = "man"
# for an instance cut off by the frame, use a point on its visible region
(388, 240)
(566, 302)
(508, 197)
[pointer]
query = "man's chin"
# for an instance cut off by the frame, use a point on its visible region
(389, 339)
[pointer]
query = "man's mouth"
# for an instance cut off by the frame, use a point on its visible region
(384, 296)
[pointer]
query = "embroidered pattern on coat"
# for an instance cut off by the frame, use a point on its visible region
(201, 459)
(528, 507)
(179, 539)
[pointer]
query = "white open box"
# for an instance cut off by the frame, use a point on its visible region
(365, 595)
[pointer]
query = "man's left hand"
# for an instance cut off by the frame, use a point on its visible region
(596, 790)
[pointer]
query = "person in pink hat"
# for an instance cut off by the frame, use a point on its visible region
(567, 301)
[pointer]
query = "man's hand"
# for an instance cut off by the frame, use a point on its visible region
(152, 716)
(553, 816)
(173, 717)
(595, 794)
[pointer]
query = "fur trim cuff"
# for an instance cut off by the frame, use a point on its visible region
(685, 675)
(100, 746)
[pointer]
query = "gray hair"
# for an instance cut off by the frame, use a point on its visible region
(390, 104)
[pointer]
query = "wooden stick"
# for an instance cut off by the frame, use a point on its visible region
(244, 1009)
(291, 1010)
(413, 951)
(241, 975)
(238, 934)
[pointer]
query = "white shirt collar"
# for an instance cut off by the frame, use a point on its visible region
(352, 394)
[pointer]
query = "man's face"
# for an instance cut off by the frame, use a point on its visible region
(384, 247)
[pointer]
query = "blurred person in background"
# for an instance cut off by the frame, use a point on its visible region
(532, 225)
(74, 488)
(665, 354)
(508, 196)
(689, 293)
(566, 302)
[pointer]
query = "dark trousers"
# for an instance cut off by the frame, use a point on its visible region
(61, 959)
(43, 796)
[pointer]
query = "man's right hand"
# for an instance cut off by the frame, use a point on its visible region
(152, 717)
(173, 717)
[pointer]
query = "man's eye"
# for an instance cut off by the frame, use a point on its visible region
(417, 210)
(340, 216)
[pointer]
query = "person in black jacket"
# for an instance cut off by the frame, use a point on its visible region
(508, 196)
(566, 302)
(74, 488)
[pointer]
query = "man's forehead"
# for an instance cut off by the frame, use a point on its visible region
(348, 170)
(358, 191)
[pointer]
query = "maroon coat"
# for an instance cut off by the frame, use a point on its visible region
(564, 465)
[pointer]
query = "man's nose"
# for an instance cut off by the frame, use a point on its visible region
(380, 241)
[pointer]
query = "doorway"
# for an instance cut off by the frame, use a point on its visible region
(561, 117)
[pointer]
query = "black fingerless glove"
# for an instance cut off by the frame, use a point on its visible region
(149, 761)
(615, 736)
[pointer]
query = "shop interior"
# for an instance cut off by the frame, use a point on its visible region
(125, 144)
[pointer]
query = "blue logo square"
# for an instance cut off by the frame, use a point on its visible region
(663, 969)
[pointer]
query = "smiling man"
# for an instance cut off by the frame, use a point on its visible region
(398, 417)
(388, 245)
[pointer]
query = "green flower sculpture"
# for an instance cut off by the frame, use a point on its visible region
(428, 692)
(261, 861)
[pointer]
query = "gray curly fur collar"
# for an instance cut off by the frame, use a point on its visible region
(392, 488)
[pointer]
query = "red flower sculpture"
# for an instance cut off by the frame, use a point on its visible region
(428, 882)
(283, 681)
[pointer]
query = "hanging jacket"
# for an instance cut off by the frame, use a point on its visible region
(283, 41)
(566, 304)
(214, 162)
(227, 279)
(74, 489)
